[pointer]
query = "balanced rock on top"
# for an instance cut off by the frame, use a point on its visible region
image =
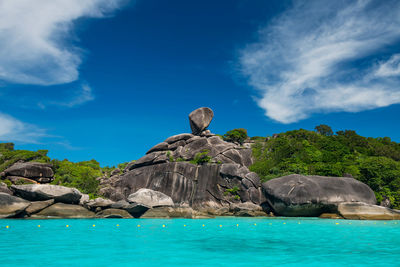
(200, 119)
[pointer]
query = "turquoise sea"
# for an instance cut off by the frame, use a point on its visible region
(208, 242)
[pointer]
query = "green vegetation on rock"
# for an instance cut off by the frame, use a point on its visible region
(201, 158)
(374, 161)
(81, 175)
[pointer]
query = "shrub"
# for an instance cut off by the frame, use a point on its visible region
(7, 182)
(81, 175)
(236, 135)
(201, 157)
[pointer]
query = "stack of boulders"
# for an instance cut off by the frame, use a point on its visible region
(191, 175)
(214, 186)
(29, 172)
(53, 201)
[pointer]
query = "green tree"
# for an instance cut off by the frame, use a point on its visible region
(236, 135)
(324, 130)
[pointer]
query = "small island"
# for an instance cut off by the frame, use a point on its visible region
(203, 175)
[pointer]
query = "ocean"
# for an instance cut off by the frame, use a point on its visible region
(227, 241)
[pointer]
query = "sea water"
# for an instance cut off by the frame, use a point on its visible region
(202, 242)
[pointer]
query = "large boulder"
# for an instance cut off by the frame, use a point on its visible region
(33, 170)
(299, 195)
(150, 198)
(200, 119)
(61, 210)
(363, 211)
(37, 192)
(11, 206)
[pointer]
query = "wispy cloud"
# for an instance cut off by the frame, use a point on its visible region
(35, 38)
(79, 97)
(326, 56)
(14, 130)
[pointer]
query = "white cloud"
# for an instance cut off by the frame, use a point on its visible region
(326, 56)
(35, 45)
(13, 130)
(81, 96)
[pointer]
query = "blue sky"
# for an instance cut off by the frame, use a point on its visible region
(109, 79)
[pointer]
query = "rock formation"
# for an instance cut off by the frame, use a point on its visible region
(190, 175)
(32, 172)
(198, 170)
(299, 195)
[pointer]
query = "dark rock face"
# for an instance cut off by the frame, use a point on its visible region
(200, 119)
(187, 184)
(11, 206)
(298, 195)
(37, 192)
(61, 210)
(36, 171)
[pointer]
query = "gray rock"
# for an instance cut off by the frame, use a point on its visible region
(84, 199)
(174, 212)
(4, 189)
(61, 210)
(37, 206)
(150, 198)
(99, 202)
(159, 147)
(247, 209)
(113, 213)
(11, 206)
(37, 192)
(200, 119)
(179, 137)
(115, 172)
(135, 209)
(363, 211)
(152, 158)
(30, 170)
(298, 195)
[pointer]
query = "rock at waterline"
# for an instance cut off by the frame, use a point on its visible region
(61, 210)
(299, 195)
(11, 206)
(113, 213)
(200, 119)
(37, 206)
(363, 211)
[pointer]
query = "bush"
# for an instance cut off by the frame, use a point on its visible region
(6, 146)
(7, 182)
(81, 175)
(201, 158)
(236, 135)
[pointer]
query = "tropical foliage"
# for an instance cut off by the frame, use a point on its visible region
(374, 161)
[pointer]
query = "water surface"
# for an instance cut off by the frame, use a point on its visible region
(208, 242)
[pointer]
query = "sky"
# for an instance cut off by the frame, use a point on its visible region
(109, 79)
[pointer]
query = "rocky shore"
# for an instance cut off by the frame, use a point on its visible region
(190, 175)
